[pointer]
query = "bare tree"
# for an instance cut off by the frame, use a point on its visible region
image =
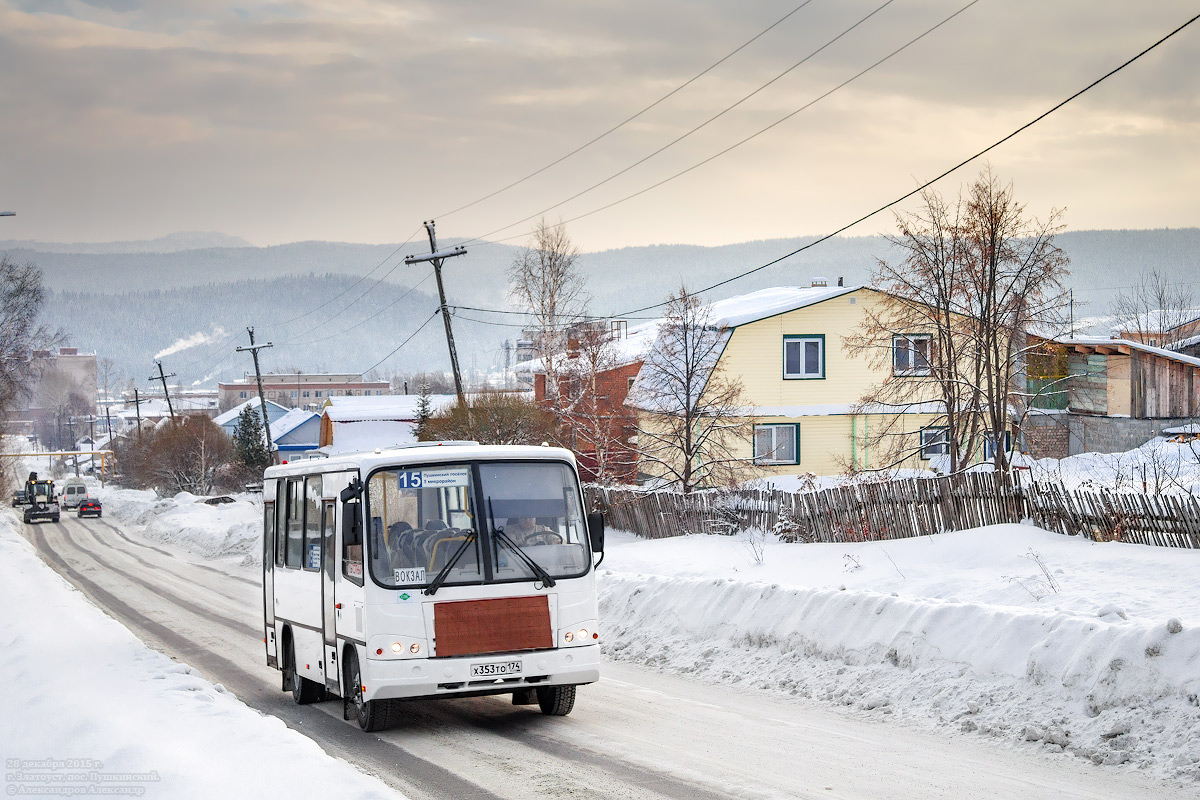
(544, 279)
(1155, 311)
(595, 425)
(23, 295)
(695, 419)
(978, 276)
(495, 418)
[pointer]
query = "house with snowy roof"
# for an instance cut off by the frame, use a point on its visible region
(296, 433)
(354, 424)
(803, 392)
(1102, 395)
(228, 420)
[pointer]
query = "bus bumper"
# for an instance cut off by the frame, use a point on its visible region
(446, 677)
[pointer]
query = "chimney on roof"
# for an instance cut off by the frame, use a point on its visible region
(841, 281)
(820, 282)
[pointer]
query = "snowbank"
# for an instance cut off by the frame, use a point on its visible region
(100, 709)
(231, 529)
(1160, 465)
(1008, 630)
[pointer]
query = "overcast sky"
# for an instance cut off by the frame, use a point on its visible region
(354, 120)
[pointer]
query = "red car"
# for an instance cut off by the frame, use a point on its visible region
(90, 507)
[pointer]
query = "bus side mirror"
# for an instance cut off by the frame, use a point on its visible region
(595, 523)
(351, 528)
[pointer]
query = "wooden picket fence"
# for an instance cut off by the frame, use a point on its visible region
(904, 508)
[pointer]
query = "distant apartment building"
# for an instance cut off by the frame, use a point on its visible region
(299, 390)
(62, 393)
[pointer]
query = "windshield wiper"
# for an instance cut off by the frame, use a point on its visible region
(535, 567)
(437, 582)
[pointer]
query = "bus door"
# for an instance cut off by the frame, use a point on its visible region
(268, 576)
(328, 601)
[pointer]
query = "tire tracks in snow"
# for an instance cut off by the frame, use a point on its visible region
(335, 736)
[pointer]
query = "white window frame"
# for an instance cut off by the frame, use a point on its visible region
(777, 428)
(989, 445)
(909, 339)
(801, 341)
(926, 433)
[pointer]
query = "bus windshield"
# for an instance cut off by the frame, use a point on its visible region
(423, 518)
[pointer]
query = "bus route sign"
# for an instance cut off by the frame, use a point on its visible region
(433, 478)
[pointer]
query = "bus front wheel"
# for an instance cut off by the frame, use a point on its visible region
(371, 715)
(556, 701)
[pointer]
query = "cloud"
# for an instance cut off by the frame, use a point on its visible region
(188, 342)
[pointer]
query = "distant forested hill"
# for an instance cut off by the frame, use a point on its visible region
(143, 301)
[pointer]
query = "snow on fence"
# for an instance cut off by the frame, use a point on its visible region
(903, 508)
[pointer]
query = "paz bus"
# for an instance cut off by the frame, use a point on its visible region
(439, 570)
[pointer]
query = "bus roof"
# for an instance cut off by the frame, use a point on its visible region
(426, 454)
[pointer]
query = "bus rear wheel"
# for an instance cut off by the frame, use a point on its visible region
(304, 691)
(556, 701)
(371, 715)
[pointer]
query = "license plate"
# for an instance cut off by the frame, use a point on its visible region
(496, 669)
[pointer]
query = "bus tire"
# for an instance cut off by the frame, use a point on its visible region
(371, 715)
(304, 691)
(556, 701)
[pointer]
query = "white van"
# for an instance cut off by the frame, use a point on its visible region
(74, 492)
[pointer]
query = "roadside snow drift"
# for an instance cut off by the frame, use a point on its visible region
(231, 529)
(89, 710)
(1011, 631)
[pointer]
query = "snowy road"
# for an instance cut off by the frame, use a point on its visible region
(637, 734)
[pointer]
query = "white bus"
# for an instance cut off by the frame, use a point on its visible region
(454, 570)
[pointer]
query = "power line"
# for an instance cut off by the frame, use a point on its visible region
(429, 319)
(752, 136)
(356, 283)
(928, 183)
(628, 120)
(365, 320)
(706, 122)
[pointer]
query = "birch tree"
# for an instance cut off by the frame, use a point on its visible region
(544, 279)
(695, 419)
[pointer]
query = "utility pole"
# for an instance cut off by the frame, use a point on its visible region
(262, 403)
(137, 409)
(163, 378)
(437, 257)
(1072, 313)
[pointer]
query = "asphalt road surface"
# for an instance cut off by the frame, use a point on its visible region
(636, 734)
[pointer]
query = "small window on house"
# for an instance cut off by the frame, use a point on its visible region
(776, 444)
(629, 383)
(910, 354)
(318, 392)
(989, 445)
(935, 441)
(243, 395)
(618, 329)
(306, 393)
(803, 357)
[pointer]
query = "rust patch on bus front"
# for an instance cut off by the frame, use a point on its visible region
(503, 625)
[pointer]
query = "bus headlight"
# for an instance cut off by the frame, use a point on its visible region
(569, 636)
(414, 648)
(397, 647)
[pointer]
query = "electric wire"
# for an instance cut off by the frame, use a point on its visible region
(363, 321)
(436, 311)
(628, 120)
(928, 183)
(739, 143)
(697, 128)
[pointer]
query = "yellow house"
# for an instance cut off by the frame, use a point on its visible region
(803, 392)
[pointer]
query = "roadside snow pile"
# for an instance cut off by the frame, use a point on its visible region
(1014, 632)
(1161, 464)
(230, 529)
(149, 725)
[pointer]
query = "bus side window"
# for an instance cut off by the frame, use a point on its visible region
(352, 547)
(279, 524)
(312, 523)
(295, 522)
